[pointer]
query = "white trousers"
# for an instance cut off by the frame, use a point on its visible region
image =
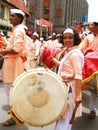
(0, 73)
(92, 102)
(7, 90)
(64, 124)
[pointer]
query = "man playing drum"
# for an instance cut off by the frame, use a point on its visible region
(15, 52)
(91, 43)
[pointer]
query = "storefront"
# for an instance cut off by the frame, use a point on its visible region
(5, 29)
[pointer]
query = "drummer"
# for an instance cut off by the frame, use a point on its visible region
(13, 63)
(70, 70)
(91, 43)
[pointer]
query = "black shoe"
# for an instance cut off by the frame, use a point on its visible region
(1, 80)
(92, 115)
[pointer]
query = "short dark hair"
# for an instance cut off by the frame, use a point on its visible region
(77, 38)
(21, 16)
(95, 23)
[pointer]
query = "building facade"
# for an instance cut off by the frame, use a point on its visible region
(5, 25)
(5, 6)
(62, 13)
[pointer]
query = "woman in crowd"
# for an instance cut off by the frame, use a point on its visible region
(70, 70)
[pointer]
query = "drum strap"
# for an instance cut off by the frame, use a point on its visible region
(67, 56)
(17, 121)
(89, 78)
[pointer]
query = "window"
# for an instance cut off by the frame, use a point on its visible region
(59, 12)
(46, 10)
(2, 12)
(31, 9)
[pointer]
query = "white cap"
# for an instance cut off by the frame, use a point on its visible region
(58, 35)
(94, 22)
(1, 33)
(68, 30)
(36, 34)
(49, 37)
(54, 34)
(17, 11)
(41, 38)
(25, 27)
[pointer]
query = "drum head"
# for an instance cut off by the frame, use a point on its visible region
(39, 97)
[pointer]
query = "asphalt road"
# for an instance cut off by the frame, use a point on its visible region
(83, 123)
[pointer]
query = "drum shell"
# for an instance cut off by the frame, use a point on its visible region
(93, 85)
(47, 57)
(39, 116)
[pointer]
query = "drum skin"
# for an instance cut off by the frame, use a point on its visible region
(38, 97)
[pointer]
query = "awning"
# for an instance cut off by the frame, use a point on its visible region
(46, 23)
(20, 5)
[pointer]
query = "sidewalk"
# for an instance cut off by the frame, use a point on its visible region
(83, 123)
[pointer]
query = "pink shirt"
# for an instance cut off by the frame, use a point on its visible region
(36, 47)
(90, 42)
(69, 70)
(71, 65)
(13, 65)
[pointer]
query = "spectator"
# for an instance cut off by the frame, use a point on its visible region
(91, 43)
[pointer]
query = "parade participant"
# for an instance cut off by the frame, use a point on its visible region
(79, 28)
(3, 44)
(91, 43)
(49, 39)
(29, 47)
(41, 50)
(70, 70)
(34, 59)
(15, 53)
(54, 43)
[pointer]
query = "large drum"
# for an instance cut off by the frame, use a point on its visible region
(38, 97)
(90, 71)
(48, 55)
(91, 83)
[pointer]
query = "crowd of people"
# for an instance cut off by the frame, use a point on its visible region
(21, 53)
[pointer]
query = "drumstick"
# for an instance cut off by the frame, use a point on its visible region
(74, 112)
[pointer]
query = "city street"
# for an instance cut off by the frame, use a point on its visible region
(82, 123)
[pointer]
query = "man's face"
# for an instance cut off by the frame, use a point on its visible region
(92, 28)
(14, 19)
(34, 38)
